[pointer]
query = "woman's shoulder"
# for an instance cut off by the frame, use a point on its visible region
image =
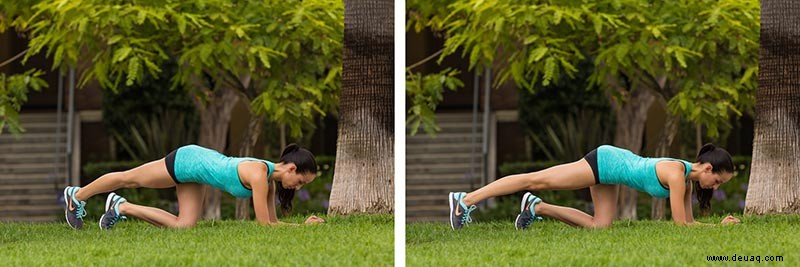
(671, 167)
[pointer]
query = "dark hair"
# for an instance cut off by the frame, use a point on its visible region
(305, 163)
(720, 162)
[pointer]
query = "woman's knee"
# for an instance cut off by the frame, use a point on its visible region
(186, 220)
(185, 223)
(602, 223)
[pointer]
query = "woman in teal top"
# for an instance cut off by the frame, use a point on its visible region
(602, 170)
(187, 169)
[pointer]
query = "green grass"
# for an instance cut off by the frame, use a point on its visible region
(639, 243)
(358, 240)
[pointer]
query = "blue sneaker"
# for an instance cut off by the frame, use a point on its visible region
(526, 214)
(459, 212)
(112, 215)
(73, 209)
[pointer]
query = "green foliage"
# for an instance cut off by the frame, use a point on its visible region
(285, 56)
(568, 118)
(358, 240)
(425, 93)
(153, 137)
(570, 137)
(628, 243)
(15, 13)
(13, 93)
(159, 121)
(671, 47)
(537, 40)
(14, 88)
(715, 46)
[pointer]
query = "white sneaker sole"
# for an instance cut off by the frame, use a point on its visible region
(108, 203)
(66, 208)
(450, 200)
(524, 201)
(109, 199)
(522, 208)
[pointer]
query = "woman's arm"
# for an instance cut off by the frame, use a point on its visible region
(273, 215)
(677, 194)
(258, 181)
(680, 199)
(689, 217)
(687, 204)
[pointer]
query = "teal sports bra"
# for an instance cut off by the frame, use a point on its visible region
(621, 166)
(198, 164)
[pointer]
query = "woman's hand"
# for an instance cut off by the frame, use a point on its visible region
(730, 220)
(314, 220)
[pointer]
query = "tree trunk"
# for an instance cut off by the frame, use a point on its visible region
(631, 117)
(775, 171)
(363, 179)
(215, 115)
(662, 150)
(246, 150)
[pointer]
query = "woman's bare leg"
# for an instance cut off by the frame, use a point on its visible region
(190, 203)
(604, 198)
(568, 176)
(153, 174)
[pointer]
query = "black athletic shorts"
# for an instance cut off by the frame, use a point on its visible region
(170, 160)
(591, 157)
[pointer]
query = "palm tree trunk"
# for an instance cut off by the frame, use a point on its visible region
(363, 179)
(775, 171)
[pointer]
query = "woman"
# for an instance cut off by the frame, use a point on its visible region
(187, 169)
(602, 170)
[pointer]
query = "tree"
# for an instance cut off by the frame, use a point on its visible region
(13, 93)
(14, 88)
(775, 173)
(696, 57)
(363, 180)
(282, 56)
(643, 52)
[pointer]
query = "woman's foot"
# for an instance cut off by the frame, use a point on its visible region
(112, 215)
(459, 212)
(526, 213)
(73, 208)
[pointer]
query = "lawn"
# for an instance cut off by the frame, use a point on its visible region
(639, 243)
(360, 240)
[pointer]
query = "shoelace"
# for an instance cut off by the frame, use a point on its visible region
(466, 218)
(533, 218)
(80, 211)
(115, 220)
